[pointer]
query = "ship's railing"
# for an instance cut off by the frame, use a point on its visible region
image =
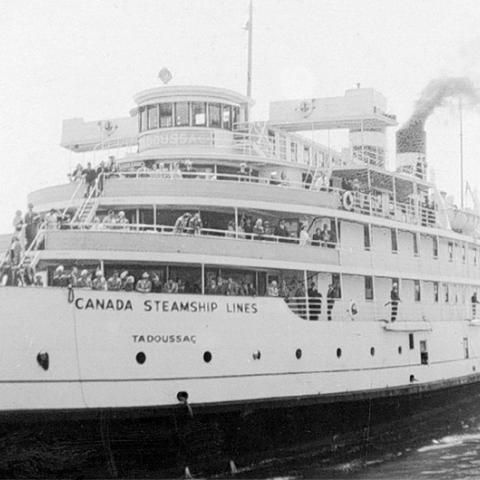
(356, 201)
(325, 309)
(189, 231)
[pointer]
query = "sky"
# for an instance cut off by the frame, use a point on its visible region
(67, 59)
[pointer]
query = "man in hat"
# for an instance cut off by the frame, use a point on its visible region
(394, 299)
(144, 285)
(31, 225)
(99, 282)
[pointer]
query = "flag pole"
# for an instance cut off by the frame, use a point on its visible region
(461, 152)
(249, 67)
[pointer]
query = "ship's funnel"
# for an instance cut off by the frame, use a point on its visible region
(411, 148)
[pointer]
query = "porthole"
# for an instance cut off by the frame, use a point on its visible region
(339, 352)
(298, 353)
(372, 351)
(412, 378)
(207, 357)
(141, 357)
(257, 355)
(399, 349)
(474, 368)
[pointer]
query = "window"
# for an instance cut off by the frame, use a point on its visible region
(166, 115)
(475, 256)
(415, 244)
(152, 116)
(293, 152)
(416, 290)
(368, 288)
(214, 119)
(366, 237)
(463, 253)
(450, 251)
(423, 352)
(227, 117)
(142, 119)
(182, 114)
(199, 114)
(306, 154)
(466, 352)
(435, 292)
(394, 240)
(446, 292)
(435, 247)
(411, 341)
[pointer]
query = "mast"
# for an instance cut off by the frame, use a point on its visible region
(249, 27)
(461, 152)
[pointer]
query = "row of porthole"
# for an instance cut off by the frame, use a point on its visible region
(207, 356)
(257, 355)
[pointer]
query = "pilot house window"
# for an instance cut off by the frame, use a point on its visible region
(199, 114)
(394, 240)
(182, 114)
(368, 288)
(166, 114)
(214, 119)
(152, 116)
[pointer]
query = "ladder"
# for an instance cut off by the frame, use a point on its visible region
(84, 215)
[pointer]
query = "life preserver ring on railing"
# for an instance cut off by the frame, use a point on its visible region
(352, 310)
(347, 201)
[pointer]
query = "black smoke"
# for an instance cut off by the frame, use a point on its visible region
(435, 94)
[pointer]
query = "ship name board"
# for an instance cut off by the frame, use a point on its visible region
(168, 139)
(164, 338)
(166, 306)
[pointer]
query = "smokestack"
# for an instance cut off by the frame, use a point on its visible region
(411, 148)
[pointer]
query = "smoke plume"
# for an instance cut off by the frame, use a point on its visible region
(437, 91)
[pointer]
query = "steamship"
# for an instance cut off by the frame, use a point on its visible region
(360, 314)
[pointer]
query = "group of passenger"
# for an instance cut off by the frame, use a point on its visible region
(94, 177)
(221, 286)
(145, 283)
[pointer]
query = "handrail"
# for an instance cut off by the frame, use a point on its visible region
(188, 231)
(70, 201)
(94, 192)
(35, 243)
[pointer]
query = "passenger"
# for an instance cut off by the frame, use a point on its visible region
(144, 285)
(331, 296)
(181, 224)
(31, 220)
(6, 275)
(143, 172)
(326, 236)
(170, 286)
(332, 239)
(195, 224)
(212, 287)
(242, 174)
(272, 290)
(19, 277)
(74, 276)
(189, 171)
(258, 229)
(315, 302)
(51, 219)
(90, 175)
(15, 251)
(474, 304)
(267, 231)
(101, 172)
(112, 167)
(248, 228)
(221, 286)
(230, 229)
(394, 299)
(284, 180)
(283, 291)
(317, 237)
(130, 283)
(76, 175)
(110, 219)
(304, 238)
(209, 175)
(301, 299)
(252, 291)
(122, 220)
(232, 287)
(18, 221)
(281, 231)
(99, 282)
(123, 279)
(84, 281)
(114, 283)
(59, 278)
(38, 282)
(97, 223)
(176, 172)
(156, 283)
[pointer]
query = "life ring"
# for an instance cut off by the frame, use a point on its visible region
(347, 201)
(352, 310)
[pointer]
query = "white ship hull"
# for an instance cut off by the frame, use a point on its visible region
(92, 344)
